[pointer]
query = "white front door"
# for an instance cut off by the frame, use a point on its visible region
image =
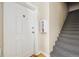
(18, 30)
(25, 38)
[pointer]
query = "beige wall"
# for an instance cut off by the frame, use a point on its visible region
(58, 12)
(43, 37)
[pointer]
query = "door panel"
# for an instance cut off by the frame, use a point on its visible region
(26, 42)
(18, 37)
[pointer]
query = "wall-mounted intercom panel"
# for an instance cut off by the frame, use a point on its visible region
(43, 26)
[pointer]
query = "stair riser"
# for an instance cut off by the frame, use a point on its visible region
(68, 47)
(72, 36)
(70, 29)
(61, 52)
(70, 33)
(70, 41)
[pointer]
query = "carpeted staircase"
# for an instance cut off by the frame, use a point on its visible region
(67, 44)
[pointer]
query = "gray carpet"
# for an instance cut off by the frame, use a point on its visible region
(67, 44)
